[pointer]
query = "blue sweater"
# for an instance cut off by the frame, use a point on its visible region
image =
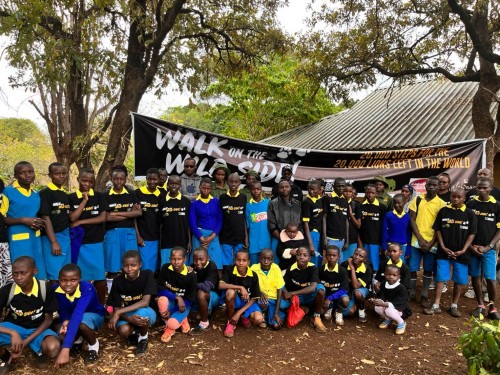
(207, 216)
(74, 310)
(396, 229)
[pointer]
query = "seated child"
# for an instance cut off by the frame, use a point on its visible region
(207, 298)
(240, 286)
(270, 283)
(29, 305)
(336, 283)
(129, 300)
(301, 279)
(360, 276)
(80, 312)
(392, 299)
(394, 252)
(176, 293)
(291, 238)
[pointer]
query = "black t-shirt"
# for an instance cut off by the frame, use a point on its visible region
(398, 296)
(488, 219)
(55, 204)
(446, 197)
(149, 222)
(179, 283)
(297, 279)
(250, 281)
(404, 272)
(28, 311)
(371, 222)
(336, 216)
(284, 263)
(363, 273)
(208, 273)
(353, 231)
(455, 226)
(121, 203)
(312, 212)
(174, 214)
(94, 233)
(234, 223)
(126, 292)
(333, 280)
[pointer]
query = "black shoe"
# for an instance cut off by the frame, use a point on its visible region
(494, 315)
(142, 348)
(5, 368)
(133, 339)
(76, 350)
(478, 313)
(42, 361)
(425, 303)
(199, 331)
(92, 357)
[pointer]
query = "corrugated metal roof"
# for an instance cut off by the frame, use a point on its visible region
(419, 114)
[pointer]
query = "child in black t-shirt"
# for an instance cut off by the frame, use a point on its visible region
(30, 304)
(312, 220)
(394, 252)
(129, 300)
(291, 238)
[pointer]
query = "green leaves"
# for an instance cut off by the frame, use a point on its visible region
(481, 347)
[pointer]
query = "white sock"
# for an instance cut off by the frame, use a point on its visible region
(79, 340)
(454, 305)
(109, 282)
(361, 312)
(434, 306)
(145, 337)
(95, 346)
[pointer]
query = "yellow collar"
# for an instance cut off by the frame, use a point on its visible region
(361, 268)
(75, 295)
(398, 264)
(335, 269)
(183, 272)
(249, 272)
(334, 194)
(296, 266)
(399, 215)
(314, 199)
(375, 202)
(460, 208)
(254, 201)
(144, 190)
(113, 192)
(490, 199)
(23, 191)
(53, 186)
(34, 290)
(204, 200)
(178, 196)
(80, 195)
(233, 196)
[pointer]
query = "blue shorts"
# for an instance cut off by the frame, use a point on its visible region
(351, 248)
(487, 264)
(373, 251)
(317, 258)
(460, 271)
(54, 263)
(271, 310)
(213, 303)
(92, 320)
(35, 345)
(334, 304)
(149, 255)
(304, 299)
(173, 309)
(352, 301)
(145, 312)
(416, 257)
(31, 247)
(239, 303)
(228, 252)
(116, 242)
(91, 261)
(214, 249)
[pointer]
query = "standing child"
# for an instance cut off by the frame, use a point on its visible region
(205, 221)
(256, 217)
(87, 215)
(22, 205)
(455, 226)
(29, 305)
(271, 284)
(54, 210)
(394, 254)
(360, 276)
(207, 279)
(396, 227)
(233, 235)
(291, 238)
(5, 263)
(336, 283)
(240, 288)
(354, 215)
(80, 312)
(392, 300)
(148, 225)
(174, 211)
(129, 301)
(335, 222)
(312, 220)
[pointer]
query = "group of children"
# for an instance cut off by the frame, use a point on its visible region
(185, 244)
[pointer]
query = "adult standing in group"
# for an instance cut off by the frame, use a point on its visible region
(484, 173)
(381, 185)
(190, 181)
(250, 176)
(296, 191)
(444, 187)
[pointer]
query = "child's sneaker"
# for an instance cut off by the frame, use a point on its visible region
(142, 347)
(455, 312)
(229, 331)
(493, 314)
(167, 335)
(385, 324)
(479, 313)
(318, 324)
(339, 318)
(470, 294)
(432, 310)
(133, 339)
(185, 327)
(425, 302)
(92, 357)
(401, 328)
(328, 315)
(199, 330)
(362, 318)
(245, 322)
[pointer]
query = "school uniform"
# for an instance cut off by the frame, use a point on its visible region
(270, 282)
(5, 263)
(364, 274)
(371, 229)
(174, 219)
(126, 292)
(312, 213)
(87, 245)
(258, 234)
(172, 284)
(335, 281)
(205, 218)
(120, 235)
(24, 240)
(336, 220)
(26, 312)
(232, 234)
(488, 223)
(82, 307)
(249, 281)
(396, 228)
(455, 225)
(396, 296)
(404, 272)
(149, 226)
(54, 203)
(285, 245)
(297, 279)
(207, 280)
(353, 231)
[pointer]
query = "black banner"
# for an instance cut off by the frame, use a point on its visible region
(159, 143)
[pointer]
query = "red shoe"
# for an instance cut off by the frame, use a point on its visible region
(185, 327)
(229, 331)
(245, 322)
(167, 335)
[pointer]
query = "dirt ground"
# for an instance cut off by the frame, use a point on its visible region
(429, 346)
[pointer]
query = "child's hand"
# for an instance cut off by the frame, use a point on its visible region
(244, 294)
(181, 305)
(112, 321)
(17, 344)
(64, 327)
(293, 252)
(140, 241)
(235, 318)
(376, 287)
(278, 319)
(286, 294)
(137, 320)
(263, 300)
(56, 248)
(62, 358)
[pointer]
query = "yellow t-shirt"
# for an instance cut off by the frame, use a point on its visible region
(272, 282)
(426, 216)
